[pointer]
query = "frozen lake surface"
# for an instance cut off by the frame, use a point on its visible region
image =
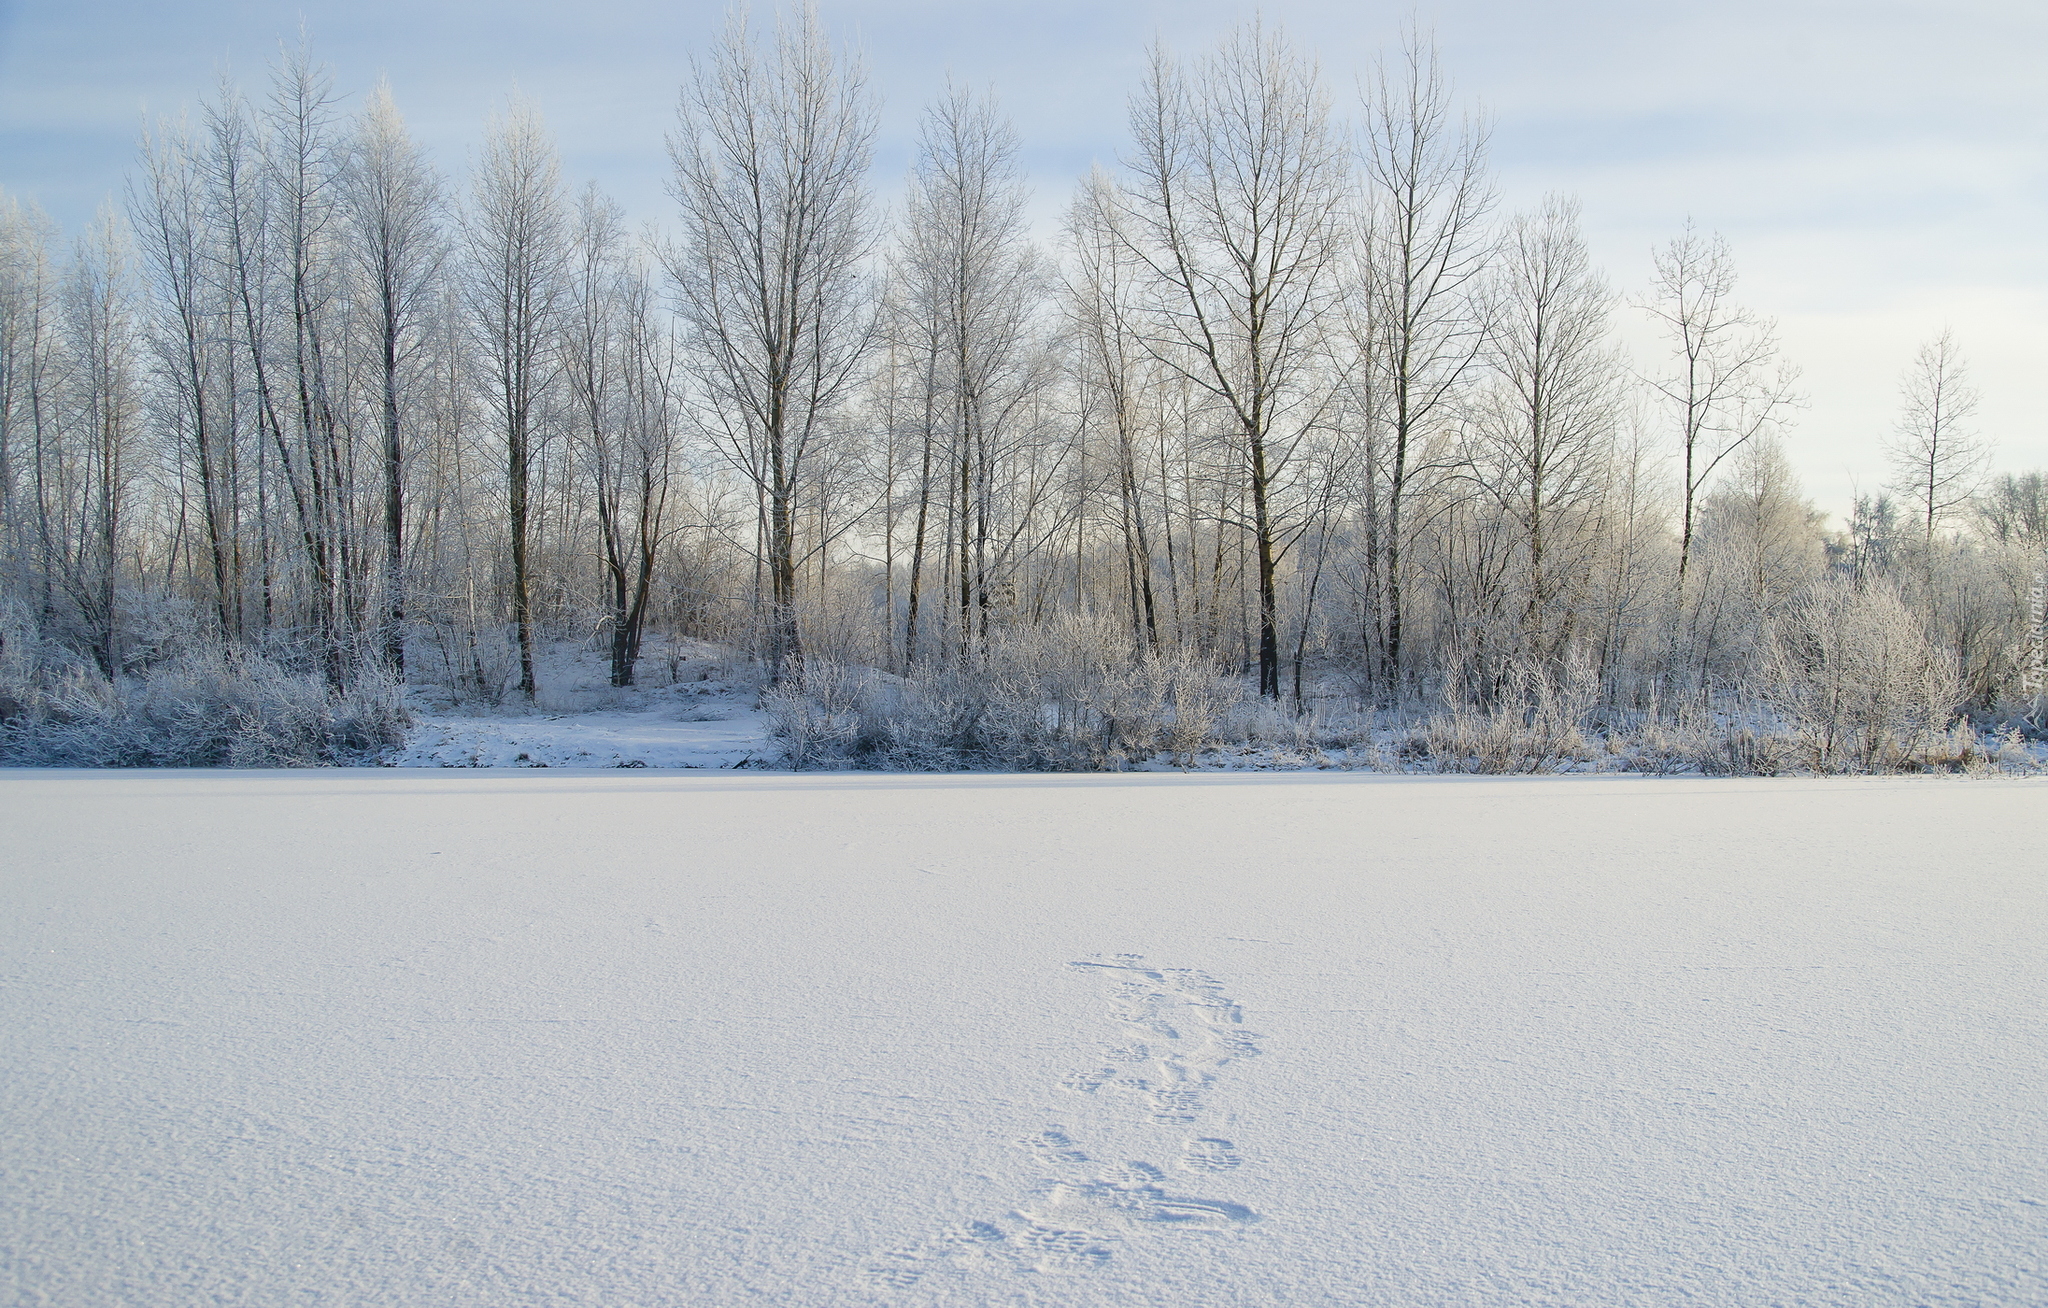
(621, 1038)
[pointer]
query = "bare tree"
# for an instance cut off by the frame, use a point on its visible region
(1759, 550)
(1936, 457)
(301, 178)
(1544, 425)
(394, 201)
(1873, 536)
(190, 332)
(515, 230)
(237, 209)
(103, 422)
(1424, 247)
(1727, 385)
(2013, 510)
(1235, 185)
(967, 284)
(1112, 361)
(771, 154)
(27, 348)
(619, 366)
(1632, 565)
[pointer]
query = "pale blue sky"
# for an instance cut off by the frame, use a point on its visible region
(1881, 166)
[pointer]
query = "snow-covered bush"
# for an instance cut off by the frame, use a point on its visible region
(819, 715)
(1062, 697)
(203, 709)
(1860, 688)
(1539, 719)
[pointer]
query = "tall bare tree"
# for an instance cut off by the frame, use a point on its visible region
(771, 153)
(516, 232)
(1235, 186)
(967, 283)
(102, 432)
(394, 203)
(27, 349)
(1112, 362)
(238, 210)
(1545, 424)
(620, 369)
(190, 333)
(1424, 247)
(1726, 385)
(301, 167)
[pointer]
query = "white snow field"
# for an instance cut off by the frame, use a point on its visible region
(625, 1038)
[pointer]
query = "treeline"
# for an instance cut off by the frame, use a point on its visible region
(1291, 396)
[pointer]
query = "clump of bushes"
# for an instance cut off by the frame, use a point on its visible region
(1067, 696)
(1860, 688)
(210, 708)
(1849, 682)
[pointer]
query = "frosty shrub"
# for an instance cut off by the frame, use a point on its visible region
(1728, 742)
(1067, 696)
(205, 709)
(1536, 722)
(819, 714)
(1858, 685)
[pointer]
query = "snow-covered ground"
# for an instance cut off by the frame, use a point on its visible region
(624, 1038)
(698, 713)
(721, 733)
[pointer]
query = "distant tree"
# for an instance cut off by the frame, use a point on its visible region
(1726, 385)
(1936, 457)
(1766, 532)
(2013, 510)
(1873, 536)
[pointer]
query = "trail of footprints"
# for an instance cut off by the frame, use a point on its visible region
(1181, 1031)
(1187, 1030)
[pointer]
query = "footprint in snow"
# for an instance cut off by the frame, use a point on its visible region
(1209, 1154)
